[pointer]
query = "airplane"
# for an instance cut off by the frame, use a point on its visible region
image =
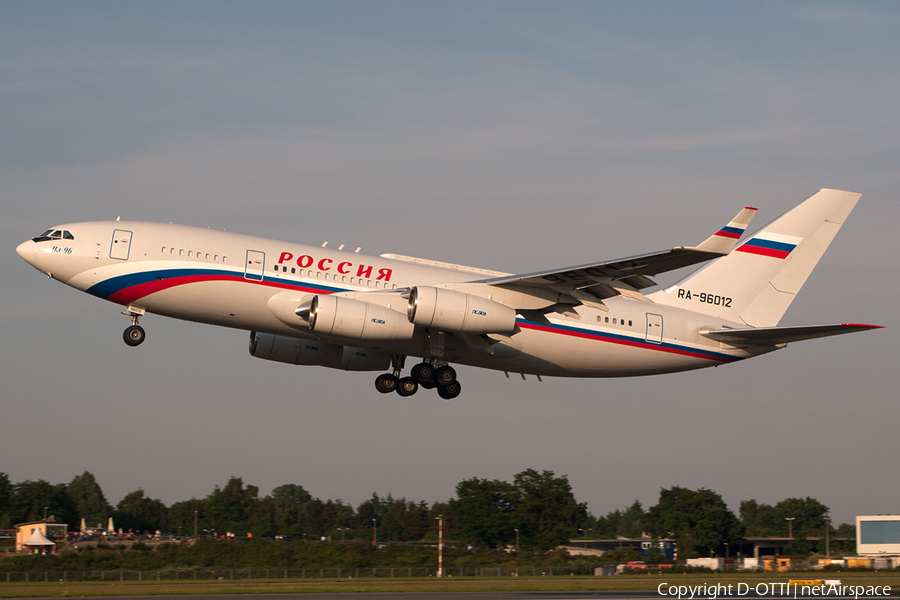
(311, 305)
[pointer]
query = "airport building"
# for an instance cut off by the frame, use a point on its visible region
(878, 534)
(39, 536)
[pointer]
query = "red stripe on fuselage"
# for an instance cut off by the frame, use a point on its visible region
(625, 342)
(136, 292)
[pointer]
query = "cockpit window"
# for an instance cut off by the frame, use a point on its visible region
(54, 234)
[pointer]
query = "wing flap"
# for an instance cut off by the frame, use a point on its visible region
(773, 336)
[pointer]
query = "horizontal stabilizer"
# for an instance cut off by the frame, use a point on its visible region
(772, 336)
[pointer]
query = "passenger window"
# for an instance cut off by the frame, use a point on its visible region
(293, 270)
(181, 252)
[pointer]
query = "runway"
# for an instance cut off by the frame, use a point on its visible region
(514, 595)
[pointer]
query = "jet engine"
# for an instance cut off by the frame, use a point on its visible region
(355, 319)
(458, 312)
(296, 351)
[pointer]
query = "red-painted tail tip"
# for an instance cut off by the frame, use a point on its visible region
(751, 208)
(862, 325)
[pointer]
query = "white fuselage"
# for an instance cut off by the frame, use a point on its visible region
(228, 279)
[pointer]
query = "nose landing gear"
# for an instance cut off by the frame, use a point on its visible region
(424, 374)
(135, 334)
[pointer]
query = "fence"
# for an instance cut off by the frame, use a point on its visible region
(313, 573)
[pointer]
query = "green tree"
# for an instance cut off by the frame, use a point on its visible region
(546, 509)
(807, 518)
(182, 516)
(87, 499)
(6, 499)
(485, 512)
(287, 504)
(808, 514)
(699, 520)
(31, 499)
(229, 508)
(755, 518)
(629, 523)
(136, 513)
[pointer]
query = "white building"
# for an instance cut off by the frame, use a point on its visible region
(878, 534)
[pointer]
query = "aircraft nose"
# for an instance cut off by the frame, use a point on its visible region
(27, 251)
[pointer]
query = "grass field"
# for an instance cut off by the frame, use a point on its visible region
(463, 584)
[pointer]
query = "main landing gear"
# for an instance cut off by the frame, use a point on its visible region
(134, 335)
(424, 374)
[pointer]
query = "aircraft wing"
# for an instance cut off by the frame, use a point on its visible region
(634, 269)
(771, 336)
(590, 283)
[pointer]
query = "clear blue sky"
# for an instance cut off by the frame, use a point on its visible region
(514, 136)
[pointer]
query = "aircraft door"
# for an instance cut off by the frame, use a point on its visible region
(256, 264)
(654, 328)
(120, 247)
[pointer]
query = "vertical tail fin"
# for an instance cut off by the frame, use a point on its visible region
(756, 283)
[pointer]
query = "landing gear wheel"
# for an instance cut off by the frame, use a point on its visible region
(449, 391)
(423, 373)
(445, 376)
(407, 386)
(386, 383)
(134, 335)
(428, 385)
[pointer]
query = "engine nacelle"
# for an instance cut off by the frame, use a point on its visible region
(357, 320)
(294, 351)
(449, 310)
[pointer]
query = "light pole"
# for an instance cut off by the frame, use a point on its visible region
(195, 523)
(342, 530)
(45, 512)
(440, 520)
(585, 534)
(726, 550)
(790, 521)
(827, 527)
(375, 532)
(517, 539)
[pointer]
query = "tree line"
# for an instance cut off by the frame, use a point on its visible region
(536, 512)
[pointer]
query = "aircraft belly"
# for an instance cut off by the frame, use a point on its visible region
(571, 352)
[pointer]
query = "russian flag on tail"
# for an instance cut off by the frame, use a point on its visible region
(774, 245)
